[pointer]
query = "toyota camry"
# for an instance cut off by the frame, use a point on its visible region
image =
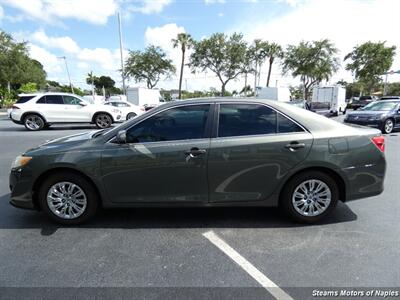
(208, 152)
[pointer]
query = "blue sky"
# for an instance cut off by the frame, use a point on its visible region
(85, 31)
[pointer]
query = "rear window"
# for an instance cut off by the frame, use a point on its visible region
(365, 98)
(23, 99)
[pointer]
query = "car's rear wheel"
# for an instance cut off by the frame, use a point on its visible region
(68, 198)
(309, 196)
(103, 120)
(34, 122)
(131, 116)
(388, 126)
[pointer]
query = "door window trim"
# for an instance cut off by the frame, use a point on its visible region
(207, 129)
(217, 114)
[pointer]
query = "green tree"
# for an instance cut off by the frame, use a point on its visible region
(27, 88)
(274, 51)
(369, 61)
(257, 53)
(184, 41)
(16, 67)
(393, 89)
(312, 61)
(101, 82)
(149, 66)
(223, 55)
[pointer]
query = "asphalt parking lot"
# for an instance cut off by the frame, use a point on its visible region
(358, 246)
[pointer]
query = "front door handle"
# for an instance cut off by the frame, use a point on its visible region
(195, 152)
(292, 146)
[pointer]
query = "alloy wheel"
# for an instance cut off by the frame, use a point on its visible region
(66, 200)
(33, 122)
(389, 126)
(311, 198)
(103, 121)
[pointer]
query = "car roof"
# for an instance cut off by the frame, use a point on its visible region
(310, 120)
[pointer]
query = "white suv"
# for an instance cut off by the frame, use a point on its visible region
(45, 109)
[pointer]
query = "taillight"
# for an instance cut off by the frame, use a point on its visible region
(14, 107)
(379, 142)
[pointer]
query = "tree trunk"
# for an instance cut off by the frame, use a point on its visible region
(223, 89)
(245, 85)
(181, 75)
(271, 61)
(306, 92)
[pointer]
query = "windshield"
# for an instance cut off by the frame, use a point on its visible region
(375, 106)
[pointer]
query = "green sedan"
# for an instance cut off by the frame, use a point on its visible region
(208, 152)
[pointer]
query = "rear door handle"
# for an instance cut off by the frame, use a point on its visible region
(195, 152)
(295, 145)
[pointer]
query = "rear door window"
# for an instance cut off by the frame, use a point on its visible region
(286, 125)
(54, 99)
(246, 119)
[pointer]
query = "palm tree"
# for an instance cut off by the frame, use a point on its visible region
(185, 41)
(273, 51)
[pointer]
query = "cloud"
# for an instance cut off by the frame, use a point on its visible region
(50, 62)
(1, 13)
(221, 14)
(207, 2)
(345, 22)
(50, 11)
(149, 6)
(65, 43)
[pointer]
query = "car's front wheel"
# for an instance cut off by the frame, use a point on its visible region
(309, 196)
(131, 116)
(68, 198)
(388, 126)
(34, 122)
(103, 120)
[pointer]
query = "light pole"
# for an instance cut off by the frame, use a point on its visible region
(69, 77)
(121, 53)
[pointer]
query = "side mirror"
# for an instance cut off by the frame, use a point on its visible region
(121, 137)
(82, 103)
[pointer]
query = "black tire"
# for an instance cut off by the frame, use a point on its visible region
(344, 111)
(131, 116)
(386, 128)
(103, 120)
(288, 190)
(34, 122)
(87, 187)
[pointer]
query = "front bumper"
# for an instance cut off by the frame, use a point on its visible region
(21, 189)
(369, 123)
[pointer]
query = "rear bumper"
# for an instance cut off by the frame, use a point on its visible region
(365, 181)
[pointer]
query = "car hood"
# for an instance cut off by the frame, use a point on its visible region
(64, 143)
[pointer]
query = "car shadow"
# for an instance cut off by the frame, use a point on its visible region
(194, 217)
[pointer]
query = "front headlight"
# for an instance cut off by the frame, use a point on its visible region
(20, 161)
(376, 117)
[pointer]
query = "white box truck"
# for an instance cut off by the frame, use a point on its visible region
(274, 93)
(332, 98)
(143, 97)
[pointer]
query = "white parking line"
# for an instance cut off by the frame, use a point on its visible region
(265, 282)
